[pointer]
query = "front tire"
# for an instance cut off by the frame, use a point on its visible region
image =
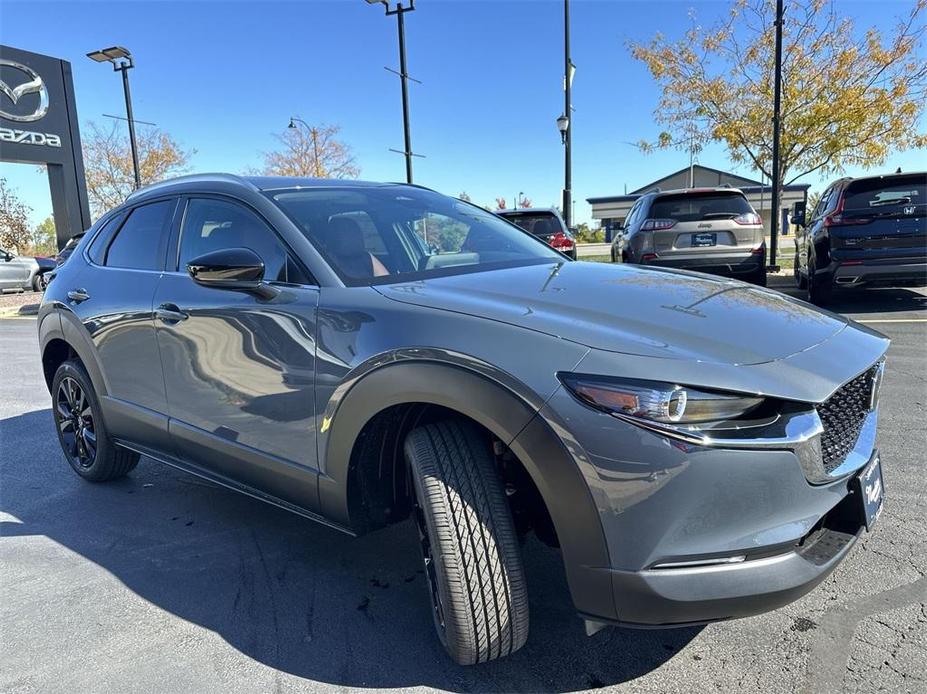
(82, 434)
(472, 559)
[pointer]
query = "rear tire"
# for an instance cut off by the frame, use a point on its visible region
(472, 558)
(800, 280)
(820, 288)
(81, 431)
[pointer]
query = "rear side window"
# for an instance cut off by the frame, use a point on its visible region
(138, 244)
(97, 250)
(885, 193)
(694, 207)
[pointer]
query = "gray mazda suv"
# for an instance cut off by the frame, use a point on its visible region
(360, 354)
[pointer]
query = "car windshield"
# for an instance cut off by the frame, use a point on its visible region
(694, 207)
(893, 191)
(537, 223)
(385, 234)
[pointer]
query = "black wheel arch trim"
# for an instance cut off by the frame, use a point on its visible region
(502, 405)
(61, 324)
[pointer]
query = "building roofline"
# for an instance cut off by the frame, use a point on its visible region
(647, 188)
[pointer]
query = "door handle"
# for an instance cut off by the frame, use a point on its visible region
(170, 313)
(78, 295)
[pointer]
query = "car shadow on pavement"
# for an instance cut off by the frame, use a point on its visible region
(286, 592)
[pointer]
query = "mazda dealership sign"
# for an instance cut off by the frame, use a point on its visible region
(38, 125)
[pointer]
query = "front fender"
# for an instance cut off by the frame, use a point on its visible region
(509, 411)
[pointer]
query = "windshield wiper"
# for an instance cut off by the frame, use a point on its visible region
(890, 201)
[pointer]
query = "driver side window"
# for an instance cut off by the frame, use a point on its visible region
(212, 225)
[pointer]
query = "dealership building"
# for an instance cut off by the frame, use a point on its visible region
(611, 210)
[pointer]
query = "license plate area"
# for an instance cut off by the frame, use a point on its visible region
(704, 239)
(868, 485)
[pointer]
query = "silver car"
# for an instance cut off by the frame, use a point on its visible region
(712, 230)
(362, 354)
(21, 272)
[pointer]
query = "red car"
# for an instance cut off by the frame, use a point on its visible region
(546, 224)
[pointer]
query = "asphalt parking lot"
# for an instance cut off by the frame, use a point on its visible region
(161, 582)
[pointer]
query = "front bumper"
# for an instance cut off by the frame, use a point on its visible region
(698, 533)
(699, 594)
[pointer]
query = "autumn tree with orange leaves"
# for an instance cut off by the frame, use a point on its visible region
(850, 98)
(108, 162)
(313, 151)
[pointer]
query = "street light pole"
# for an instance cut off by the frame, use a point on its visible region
(400, 11)
(314, 134)
(124, 68)
(777, 107)
(121, 60)
(568, 112)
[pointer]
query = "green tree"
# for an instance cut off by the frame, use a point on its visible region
(14, 220)
(44, 238)
(849, 97)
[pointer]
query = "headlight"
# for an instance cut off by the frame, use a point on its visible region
(658, 402)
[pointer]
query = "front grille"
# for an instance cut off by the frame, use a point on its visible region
(843, 415)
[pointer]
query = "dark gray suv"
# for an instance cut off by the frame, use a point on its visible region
(360, 354)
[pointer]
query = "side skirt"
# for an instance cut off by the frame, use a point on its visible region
(233, 485)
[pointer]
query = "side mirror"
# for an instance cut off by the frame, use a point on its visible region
(798, 213)
(230, 268)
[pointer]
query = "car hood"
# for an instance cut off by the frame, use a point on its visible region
(633, 310)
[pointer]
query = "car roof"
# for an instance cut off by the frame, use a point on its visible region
(257, 183)
(873, 177)
(694, 191)
(529, 210)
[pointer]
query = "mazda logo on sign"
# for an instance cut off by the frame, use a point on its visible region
(32, 85)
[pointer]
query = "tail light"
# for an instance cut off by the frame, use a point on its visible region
(748, 218)
(836, 217)
(658, 224)
(648, 256)
(561, 240)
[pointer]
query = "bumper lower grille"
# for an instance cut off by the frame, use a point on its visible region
(843, 415)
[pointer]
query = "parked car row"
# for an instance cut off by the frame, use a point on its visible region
(863, 232)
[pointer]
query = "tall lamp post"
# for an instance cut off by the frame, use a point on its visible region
(314, 133)
(122, 62)
(777, 126)
(399, 11)
(563, 122)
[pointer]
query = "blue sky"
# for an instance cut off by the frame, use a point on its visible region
(223, 77)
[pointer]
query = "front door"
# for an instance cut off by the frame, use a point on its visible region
(239, 369)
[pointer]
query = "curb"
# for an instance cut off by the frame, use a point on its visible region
(27, 311)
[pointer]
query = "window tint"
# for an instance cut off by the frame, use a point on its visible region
(212, 225)
(885, 193)
(693, 207)
(139, 242)
(97, 249)
(395, 233)
(541, 224)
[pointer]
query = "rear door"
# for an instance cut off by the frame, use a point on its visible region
(709, 222)
(113, 300)
(882, 219)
